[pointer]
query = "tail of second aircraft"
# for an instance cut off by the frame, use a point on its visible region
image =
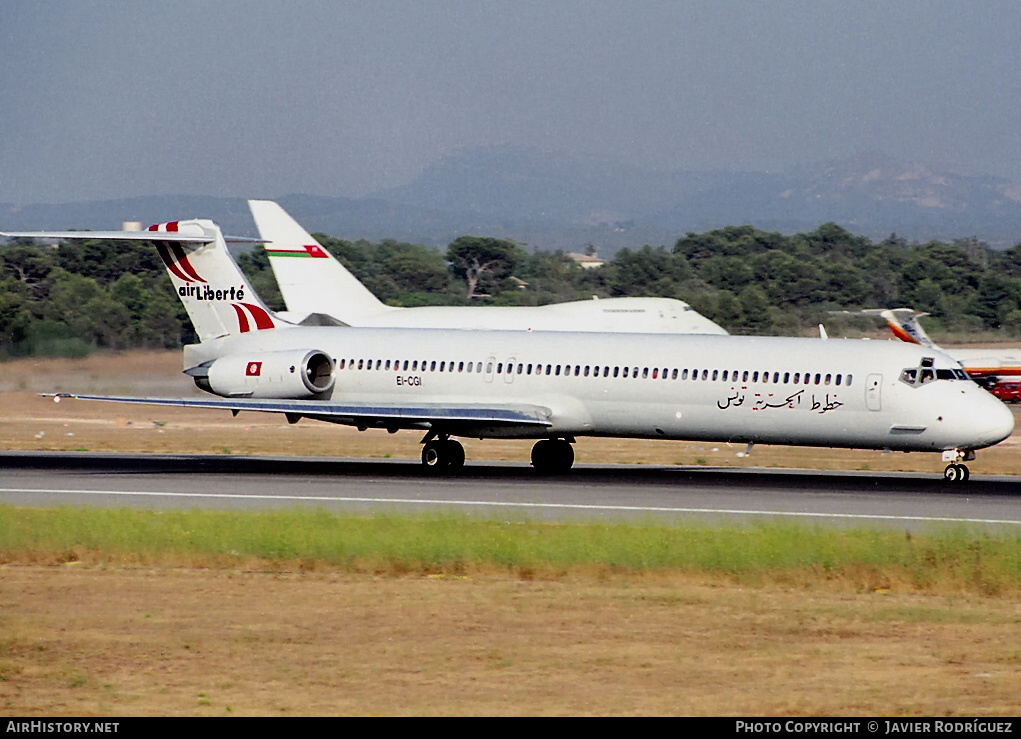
(903, 322)
(311, 280)
(215, 292)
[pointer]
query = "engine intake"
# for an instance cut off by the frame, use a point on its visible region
(288, 374)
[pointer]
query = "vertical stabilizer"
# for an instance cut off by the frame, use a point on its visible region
(903, 322)
(214, 291)
(311, 280)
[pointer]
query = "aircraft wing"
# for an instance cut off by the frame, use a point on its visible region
(446, 417)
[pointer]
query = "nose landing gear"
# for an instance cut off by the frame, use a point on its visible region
(955, 471)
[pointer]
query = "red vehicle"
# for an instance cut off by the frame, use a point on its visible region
(1008, 392)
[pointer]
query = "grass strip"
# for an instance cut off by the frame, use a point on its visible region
(956, 559)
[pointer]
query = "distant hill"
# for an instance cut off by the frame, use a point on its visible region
(552, 201)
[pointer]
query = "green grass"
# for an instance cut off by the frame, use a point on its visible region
(957, 559)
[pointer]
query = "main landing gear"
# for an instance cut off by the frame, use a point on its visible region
(553, 455)
(441, 453)
(955, 471)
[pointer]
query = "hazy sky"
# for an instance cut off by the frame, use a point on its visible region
(261, 98)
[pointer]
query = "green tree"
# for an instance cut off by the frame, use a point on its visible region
(483, 262)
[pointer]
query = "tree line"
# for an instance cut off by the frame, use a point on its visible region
(113, 295)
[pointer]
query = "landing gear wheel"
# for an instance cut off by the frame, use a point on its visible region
(552, 455)
(956, 473)
(454, 453)
(442, 454)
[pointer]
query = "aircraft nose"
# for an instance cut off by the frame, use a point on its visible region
(994, 421)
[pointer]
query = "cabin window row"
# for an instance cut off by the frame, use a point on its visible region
(577, 370)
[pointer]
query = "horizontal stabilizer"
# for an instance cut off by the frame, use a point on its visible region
(182, 237)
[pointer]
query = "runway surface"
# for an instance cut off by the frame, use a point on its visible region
(509, 491)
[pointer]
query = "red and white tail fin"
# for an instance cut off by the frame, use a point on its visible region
(311, 280)
(215, 292)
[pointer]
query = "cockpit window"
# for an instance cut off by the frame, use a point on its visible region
(924, 373)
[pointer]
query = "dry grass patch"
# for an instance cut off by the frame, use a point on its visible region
(93, 641)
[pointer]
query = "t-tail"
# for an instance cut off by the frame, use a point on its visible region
(216, 294)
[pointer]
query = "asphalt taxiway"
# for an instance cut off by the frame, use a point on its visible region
(509, 491)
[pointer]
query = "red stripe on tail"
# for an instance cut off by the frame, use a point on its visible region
(242, 318)
(262, 318)
(163, 249)
(182, 259)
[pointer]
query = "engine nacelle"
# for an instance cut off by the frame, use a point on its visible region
(290, 374)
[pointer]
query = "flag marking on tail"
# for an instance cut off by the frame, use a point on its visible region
(308, 250)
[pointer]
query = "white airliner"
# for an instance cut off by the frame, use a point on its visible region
(986, 365)
(314, 283)
(555, 386)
